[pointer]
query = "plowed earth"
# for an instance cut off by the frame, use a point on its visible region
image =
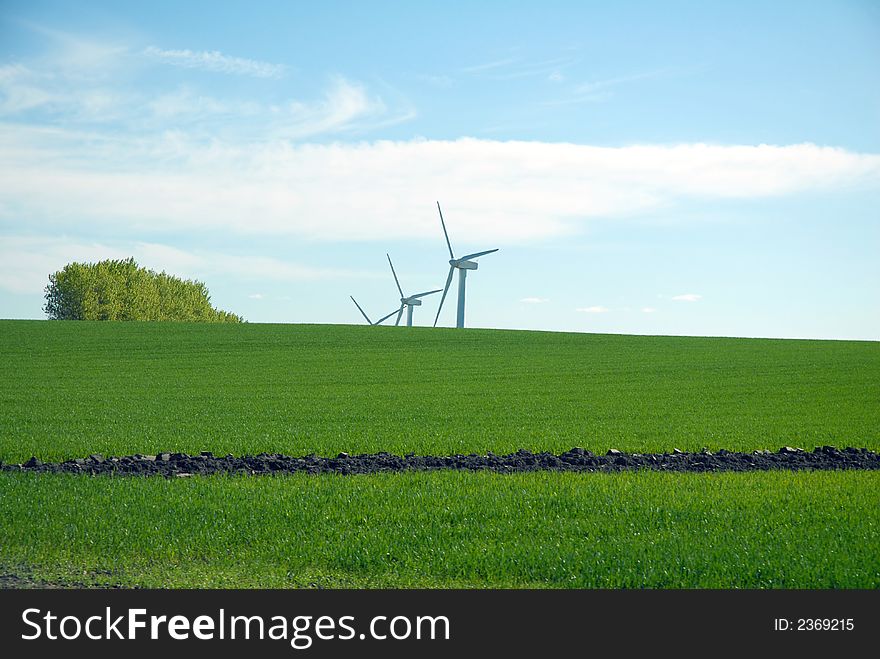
(575, 459)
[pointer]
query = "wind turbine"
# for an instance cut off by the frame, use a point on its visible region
(367, 317)
(462, 265)
(408, 302)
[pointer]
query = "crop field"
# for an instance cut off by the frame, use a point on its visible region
(756, 530)
(72, 389)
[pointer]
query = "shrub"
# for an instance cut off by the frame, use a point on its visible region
(121, 290)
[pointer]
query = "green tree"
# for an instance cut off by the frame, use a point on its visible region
(121, 290)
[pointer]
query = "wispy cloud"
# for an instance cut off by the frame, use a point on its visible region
(344, 106)
(216, 61)
(26, 261)
(256, 296)
(596, 309)
(598, 85)
(19, 91)
(601, 90)
(66, 98)
(60, 91)
(648, 310)
(504, 191)
(156, 170)
(491, 65)
(534, 300)
(513, 68)
(79, 56)
(547, 68)
(687, 297)
(187, 102)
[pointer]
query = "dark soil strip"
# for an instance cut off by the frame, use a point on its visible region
(576, 459)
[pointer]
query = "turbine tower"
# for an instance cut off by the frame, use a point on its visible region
(462, 265)
(366, 317)
(408, 302)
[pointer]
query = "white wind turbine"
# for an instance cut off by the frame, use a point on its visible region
(407, 301)
(367, 317)
(462, 265)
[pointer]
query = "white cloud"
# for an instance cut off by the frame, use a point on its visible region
(586, 88)
(514, 68)
(76, 76)
(216, 61)
(534, 300)
(596, 309)
(602, 90)
(648, 310)
(19, 93)
(687, 297)
(59, 90)
(86, 82)
(256, 296)
(186, 101)
(548, 68)
(490, 66)
(503, 192)
(79, 55)
(343, 107)
(26, 261)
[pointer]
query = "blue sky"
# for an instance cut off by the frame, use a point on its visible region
(690, 168)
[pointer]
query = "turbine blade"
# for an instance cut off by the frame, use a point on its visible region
(395, 276)
(386, 317)
(399, 314)
(445, 291)
(448, 244)
(413, 297)
(362, 311)
(476, 254)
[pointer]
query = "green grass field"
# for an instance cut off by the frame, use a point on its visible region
(757, 530)
(71, 389)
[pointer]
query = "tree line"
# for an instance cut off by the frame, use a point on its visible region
(121, 290)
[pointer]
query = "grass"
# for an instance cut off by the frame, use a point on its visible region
(626, 530)
(71, 389)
